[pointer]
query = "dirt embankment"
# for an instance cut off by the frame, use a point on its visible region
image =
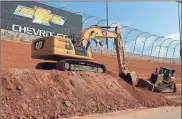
(40, 93)
(27, 91)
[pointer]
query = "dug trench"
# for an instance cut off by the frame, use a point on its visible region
(50, 93)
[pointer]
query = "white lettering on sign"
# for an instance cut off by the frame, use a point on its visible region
(33, 31)
(48, 33)
(29, 30)
(36, 32)
(42, 33)
(23, 29)
(13, 27)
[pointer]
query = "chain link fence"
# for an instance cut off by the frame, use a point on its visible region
(137, 44)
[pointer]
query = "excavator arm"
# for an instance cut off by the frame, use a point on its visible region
(94, 32)
(101, 32)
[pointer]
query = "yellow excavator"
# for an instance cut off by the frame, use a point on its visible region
(75, 56)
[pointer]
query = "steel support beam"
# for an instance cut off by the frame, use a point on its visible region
(161, 45)
(127, 36)
(153, 44)
(100, 21)
(136, 40)
(169, 45)
(145, 42)
(113, 23)
(88, 18)
(175, 48)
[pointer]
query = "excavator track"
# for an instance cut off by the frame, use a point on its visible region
(80, 65)
(72, 65)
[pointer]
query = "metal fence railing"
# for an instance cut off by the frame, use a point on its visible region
(10, 35)
(136, 43)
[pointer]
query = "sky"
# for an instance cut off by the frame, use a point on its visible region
(159, 18)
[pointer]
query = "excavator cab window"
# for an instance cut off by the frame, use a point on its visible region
(80, 50)
(72, 37)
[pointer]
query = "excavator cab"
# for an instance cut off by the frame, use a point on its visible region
(80, 50)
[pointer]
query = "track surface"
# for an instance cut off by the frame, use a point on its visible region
(155, 113)
(18, 55)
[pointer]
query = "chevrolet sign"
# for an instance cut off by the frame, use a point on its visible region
(33, 31)
(39, 15)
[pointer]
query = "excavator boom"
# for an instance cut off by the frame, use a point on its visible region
(102, 32)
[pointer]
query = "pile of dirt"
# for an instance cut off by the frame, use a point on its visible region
(39, 93)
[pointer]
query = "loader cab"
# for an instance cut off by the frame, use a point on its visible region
(168, 72)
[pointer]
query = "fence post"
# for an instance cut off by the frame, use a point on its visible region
(6, 31)
(175, 48)
(100, 21)
(145, 42)
(153, 44)
(87, 19)
(169, 45)
(136, 40)
(127, 36)
(161, 46)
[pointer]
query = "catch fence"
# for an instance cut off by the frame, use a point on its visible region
(137, 44)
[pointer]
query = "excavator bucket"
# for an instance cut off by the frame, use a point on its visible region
(134, 78)
(130, 78)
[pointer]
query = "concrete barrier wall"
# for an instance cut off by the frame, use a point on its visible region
(10, 35)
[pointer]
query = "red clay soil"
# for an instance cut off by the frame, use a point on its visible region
(27, 91)
(39, 93)
(18, 55)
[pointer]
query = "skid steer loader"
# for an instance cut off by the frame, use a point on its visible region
(162, 81)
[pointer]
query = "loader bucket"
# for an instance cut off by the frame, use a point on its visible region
(166, 88)
(130, 78)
